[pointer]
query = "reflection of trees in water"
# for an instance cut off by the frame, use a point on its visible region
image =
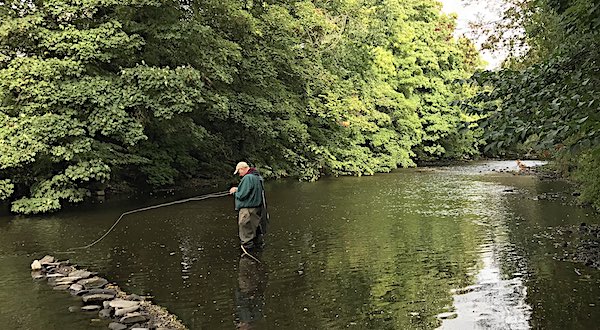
(249, 296)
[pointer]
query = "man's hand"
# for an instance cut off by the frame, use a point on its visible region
(232, 190)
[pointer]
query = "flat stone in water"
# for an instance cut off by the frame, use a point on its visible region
(97, 297)
(47, 260)
(119, 303)
(80, 274)
(67, 280)
(126, 310)
(64, 269)
(133, 318)
(74, 309)
(117, 326)
(55, 275)
(91, 308)
(93, 283)
(61, 287)
(76, 287)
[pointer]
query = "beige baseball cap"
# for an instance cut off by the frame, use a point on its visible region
(240, 165)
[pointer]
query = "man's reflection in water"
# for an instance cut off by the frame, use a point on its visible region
(250, 295)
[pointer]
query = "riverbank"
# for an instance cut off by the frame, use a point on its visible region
(575, 243)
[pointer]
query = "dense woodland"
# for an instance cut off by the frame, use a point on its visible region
(102, 94)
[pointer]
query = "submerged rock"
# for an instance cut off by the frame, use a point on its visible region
(74, 309)
(61, 287)
(67, 280)
(105, 313)
(117, 326)
(37, 274)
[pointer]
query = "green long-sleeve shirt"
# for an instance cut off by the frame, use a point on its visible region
(249, 192)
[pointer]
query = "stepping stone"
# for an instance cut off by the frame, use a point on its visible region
(93, 283)
(64, 269)
(133, 318)
(80, 273)
(76, 287)
(67, 280)
(104, 291)
(47, 260)
(120, 303)
(126, 310)
(96, 297)
(91, 308)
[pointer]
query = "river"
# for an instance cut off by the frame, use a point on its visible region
(458, 247)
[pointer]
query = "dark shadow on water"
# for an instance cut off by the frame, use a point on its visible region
(250, 293)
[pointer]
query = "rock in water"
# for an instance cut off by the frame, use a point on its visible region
(117, 326)
(36, 265)
(104, 314)
(61, 287)
(37, 274)
(93, 283)
(133, 318)
(96, 297)
(80, 274)
(120, 303)
(123, 311)
(76, 287)
(91, 308)
(47, 260)
(67, 280)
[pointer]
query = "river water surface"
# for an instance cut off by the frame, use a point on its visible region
(459, 247)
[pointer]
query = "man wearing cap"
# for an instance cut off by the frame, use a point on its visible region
(249, 202)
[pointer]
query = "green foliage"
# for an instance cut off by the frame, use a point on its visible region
(152, 92)
(588, 173)
(547, 104)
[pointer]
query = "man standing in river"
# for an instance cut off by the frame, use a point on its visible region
(251, 207)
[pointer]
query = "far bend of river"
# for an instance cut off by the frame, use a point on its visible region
(456, 247)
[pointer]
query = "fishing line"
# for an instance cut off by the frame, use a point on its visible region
(197, 198)
(248, 254)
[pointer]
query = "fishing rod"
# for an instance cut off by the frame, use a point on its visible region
(196, 198)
